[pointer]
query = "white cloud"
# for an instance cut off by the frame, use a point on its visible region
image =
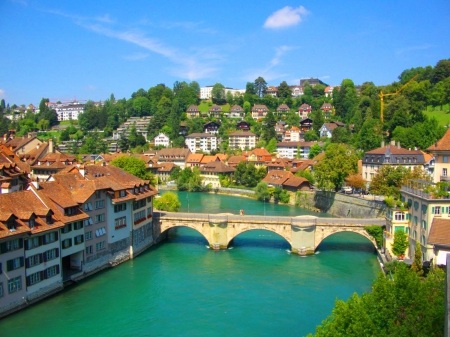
(91, 87)
(324, 77)
(2, 93)
(286, 17)
(136, 56)
(413, 48)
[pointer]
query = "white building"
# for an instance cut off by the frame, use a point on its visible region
(205, 92)
(293, 150)
(162, 139)
(67, 111)
(242, 140)
(204, 142)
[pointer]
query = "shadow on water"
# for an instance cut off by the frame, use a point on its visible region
(349, 242)
(185, 235)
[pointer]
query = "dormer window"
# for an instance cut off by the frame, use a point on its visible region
(32, 223)
(122, 193)
(11, 224)
(48, 219)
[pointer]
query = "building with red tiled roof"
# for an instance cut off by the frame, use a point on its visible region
(211, 171)
(193, 111)
(215, 111)
(271, 91)
(286, 180)
(441, 152)
(258, 156)
(194, 159)
(236, 111)
(50, 164)
(283, 109)
(304, 110)
(233, 161)
(439, 237)
(259, 111)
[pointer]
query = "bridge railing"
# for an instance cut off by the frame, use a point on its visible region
(270, 219)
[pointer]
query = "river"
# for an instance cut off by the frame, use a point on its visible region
(182, 288)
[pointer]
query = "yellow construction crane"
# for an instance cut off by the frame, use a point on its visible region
(382, 95)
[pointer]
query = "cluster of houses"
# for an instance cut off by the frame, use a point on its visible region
(62, 221)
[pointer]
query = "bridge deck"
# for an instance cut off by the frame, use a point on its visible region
(282, 220)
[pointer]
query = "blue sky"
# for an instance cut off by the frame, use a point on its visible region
(90, 49)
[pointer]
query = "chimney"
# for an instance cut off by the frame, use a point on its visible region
(50, 145)
(382, 143)
(82, 170)
(398, 144)
(35, 183)
(393, 142)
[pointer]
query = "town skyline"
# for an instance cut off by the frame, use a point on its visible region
(88, 51)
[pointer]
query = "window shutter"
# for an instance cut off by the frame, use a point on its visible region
(41, 240)
(446, 209)
(27, 244)
(9, 265)
(21, 261)
(56, 235)
(20, 243)
(41, 257)
(432, 210)
(57, 252)
(44, 240)
(57, 269)
(45, 274)
(42, 274)
(442, 209)
(27, 262)
(28, 281)
(3, 247)
(44, 255)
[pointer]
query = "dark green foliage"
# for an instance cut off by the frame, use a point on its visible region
(377, 233)
(259, 86)
(262, 191)
(284, 91)
(268, 128)
(400, 243)
(133, 165)
(405, 306)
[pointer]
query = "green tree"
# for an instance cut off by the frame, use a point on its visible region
(400, 243)
(218, 94)
(405, 306)
(167, 202)
(441, 71)
(133, 165)
(284, 90)
(318, 120)
(389, 179)
(311, 136)
(340, 160)
(272, 145)
(262, 191)
(268, 127)
(341, 135)
(346, 100)
(292, 118)
(314, 150)
(260, 86)
(417, 263)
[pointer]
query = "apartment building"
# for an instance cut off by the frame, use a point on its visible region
(242, 140)
(201, 142)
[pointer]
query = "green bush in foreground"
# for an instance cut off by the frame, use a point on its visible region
(406, 305)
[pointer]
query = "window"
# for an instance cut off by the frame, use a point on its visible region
(100, 218)
(100, 232)
(399, 216)
(67, 228)
(120, 222)
(31, 223)
(416, 221)
(444, 172)
(436, 210)
(89, 250)
(50, 237)
(424, 224)
(98, 194)
(77, 225)
(15, 284)
(14, 263)
(423, 240)
(33, 242)
(445, 159)
(1, 289)
(79, 239)
(88, 222)
(120, 207)
(48, 219)
(34, 260)
(122, 193)
(100, 204)
(53, 253)
(140, 203)
(88, 206)
(11, 245)
(52, 271)
(67, 243)
(100, 246)
(34, 278)
(88, 236)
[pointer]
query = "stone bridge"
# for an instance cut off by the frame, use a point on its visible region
(304, 233)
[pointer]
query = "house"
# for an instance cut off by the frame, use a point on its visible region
(50, 164)
(271, 91)
(296, 90)
(392, 155)
(306, 124)
(13, 172)
(193, 111)
(22, 145)
(282, 164)
(194, 159)
(177, 156)
(326, 108)
(259, 157)
(293, 150)
(259, 111)
(327, 128)
(280, 129)
(243, 126)
(304, 110)
(164, 171)
(236, 111)
(292, 135)
(29, 250)
(441, 152)
(212, 171)
(234, 161)
(241, 140)
(204, 142)
(162, 140)
(286, 180)
(215, 112)
(424, 218)
(282, 109)
(329, 91)
(211, 127)
(183, 129)
(67, 111)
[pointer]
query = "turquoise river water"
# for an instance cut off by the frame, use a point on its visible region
(182, 288)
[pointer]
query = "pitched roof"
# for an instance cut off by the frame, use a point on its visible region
(440, 232)
(442, 144)
(390, 149)
(234, 160)
(259, 106)
(241, 133)
(216, 167)
(277, 177)
(194, 158)
(166, 167)
(237, 108)
(295, 181)
(283, 107)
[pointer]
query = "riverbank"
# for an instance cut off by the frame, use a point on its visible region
(334, 204)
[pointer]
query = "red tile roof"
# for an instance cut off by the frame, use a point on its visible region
(442, 144)
(440, 232)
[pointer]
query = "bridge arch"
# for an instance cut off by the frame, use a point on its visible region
(323, 233)
(285, 234)
(199, 228)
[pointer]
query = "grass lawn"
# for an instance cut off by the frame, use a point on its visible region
(48, 134)
(442, 116)
(206, 104)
